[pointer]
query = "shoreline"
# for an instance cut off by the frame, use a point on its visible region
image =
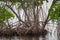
(19, 33)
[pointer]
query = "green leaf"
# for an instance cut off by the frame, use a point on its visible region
(54, 11)
(4, 15)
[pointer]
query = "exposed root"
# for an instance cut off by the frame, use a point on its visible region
(21, 31)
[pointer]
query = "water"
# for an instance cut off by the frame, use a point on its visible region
(24, 38)
(49, 36)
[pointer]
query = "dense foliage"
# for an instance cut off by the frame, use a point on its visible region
(26, 3)
(55, 11)
(4, 15)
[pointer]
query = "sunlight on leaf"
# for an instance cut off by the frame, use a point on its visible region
(4, 15)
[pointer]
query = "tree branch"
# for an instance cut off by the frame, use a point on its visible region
(46, 21)
(16, 14)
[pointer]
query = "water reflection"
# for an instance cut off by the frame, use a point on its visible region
(27, 38)
(23, 38)
(49, 36)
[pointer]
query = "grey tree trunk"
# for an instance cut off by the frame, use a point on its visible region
(58, 30)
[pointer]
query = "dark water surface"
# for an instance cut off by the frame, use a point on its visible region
(49, 36)
(28, 38)
(22, 38)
